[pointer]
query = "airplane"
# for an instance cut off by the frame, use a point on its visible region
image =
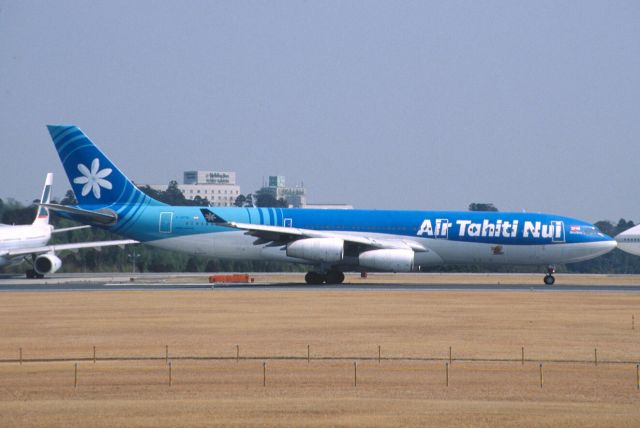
(629, 240)
(29, 242)
(330, 242)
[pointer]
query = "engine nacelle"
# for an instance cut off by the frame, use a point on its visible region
(389, 260)
(329, 250)
(47, 263)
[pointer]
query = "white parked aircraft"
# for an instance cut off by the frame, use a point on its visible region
(29, 242)
(629, 240)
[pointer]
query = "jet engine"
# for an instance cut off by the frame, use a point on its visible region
(389, 260)
(47, 263)
(329, 250)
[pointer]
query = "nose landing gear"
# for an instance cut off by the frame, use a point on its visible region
(549, 279)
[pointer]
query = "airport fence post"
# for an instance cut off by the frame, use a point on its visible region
(170, 380)
(449, 354)
(264, 373)
(237, 353)
(308, 353)
(638, 376)
(166, 354)
(355, 374)
(94, 354)
(541, 378)
(595, 356)
(446, 369)
(523, 355)
(20, 356)
(379, 353)
(75, 376)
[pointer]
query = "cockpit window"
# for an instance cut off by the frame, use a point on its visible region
(590, 230)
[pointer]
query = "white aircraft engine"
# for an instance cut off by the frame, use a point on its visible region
(390, 260)
(329, 250)
(47, 263)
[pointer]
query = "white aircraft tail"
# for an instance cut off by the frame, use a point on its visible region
(42, 217)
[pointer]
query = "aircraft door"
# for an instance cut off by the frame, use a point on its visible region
(166, 222)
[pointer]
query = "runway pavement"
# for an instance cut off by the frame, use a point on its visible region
(159, 282)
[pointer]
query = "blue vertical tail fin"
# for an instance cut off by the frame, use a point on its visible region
(95, 180)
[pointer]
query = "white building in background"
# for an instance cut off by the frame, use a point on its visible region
(221, 190)
(296, 197)
(218, 187)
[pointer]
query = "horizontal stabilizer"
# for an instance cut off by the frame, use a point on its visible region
(102, 217)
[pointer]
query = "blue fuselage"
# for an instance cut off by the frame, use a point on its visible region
(451, 236)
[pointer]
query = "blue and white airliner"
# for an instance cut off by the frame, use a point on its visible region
(330, 242)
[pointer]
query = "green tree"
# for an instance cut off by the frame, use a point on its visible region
(19, 215)
(199, 201)
(192, 265)
(264, 198)
(69, 198)
(173, 196)
(240, 201)
(482, 206)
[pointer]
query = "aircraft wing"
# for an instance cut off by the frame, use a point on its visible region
(62, 247)
(69, 229)
(287, 234)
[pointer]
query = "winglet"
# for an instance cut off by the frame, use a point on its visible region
(211, 217)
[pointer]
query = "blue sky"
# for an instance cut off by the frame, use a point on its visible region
(408, 105)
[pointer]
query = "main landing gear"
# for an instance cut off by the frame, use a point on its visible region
(549, 279)
(31, 274)
(330, 277)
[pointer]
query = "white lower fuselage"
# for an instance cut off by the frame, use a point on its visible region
(21, 237)
(237, 245)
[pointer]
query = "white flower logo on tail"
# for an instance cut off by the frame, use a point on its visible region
(93, 180)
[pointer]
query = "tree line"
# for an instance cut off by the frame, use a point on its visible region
(144, 258)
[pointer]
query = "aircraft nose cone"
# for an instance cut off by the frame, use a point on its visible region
(603, 247)
(611, 244)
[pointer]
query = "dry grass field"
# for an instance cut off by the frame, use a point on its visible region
(406, 388)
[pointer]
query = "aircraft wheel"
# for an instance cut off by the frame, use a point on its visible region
(549, 279)
(30, 273)
(335, 277)
(314, 278)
